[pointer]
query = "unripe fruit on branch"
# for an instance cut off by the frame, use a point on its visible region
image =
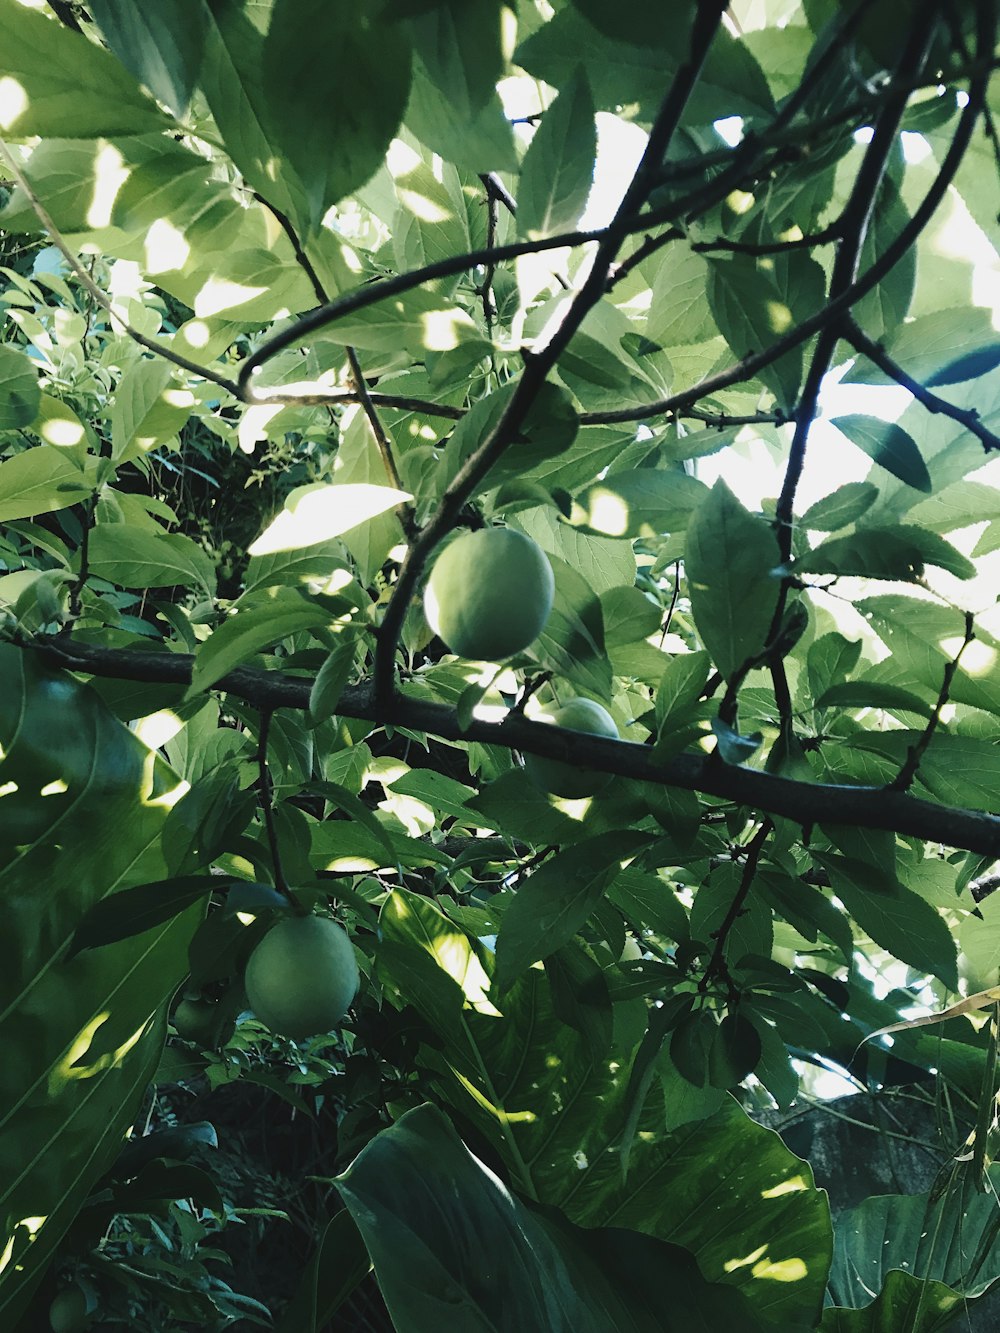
(572, 780)
(302, 976)
(489, 594)
(68, 1311)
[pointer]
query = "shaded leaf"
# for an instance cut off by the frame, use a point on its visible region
(889, 445)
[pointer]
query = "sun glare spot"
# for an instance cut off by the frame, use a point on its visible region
(785, 1270)
(61, 432)
(158, 728)
(220, 294)
(608, 512)
(54, 788)
(731, 1265)
(13, 101)
(793, 1185)
(110, 174)
(166, 247)
(978, 659)
(421, 207)
(779, 316)
(440, 332)
(8, 788)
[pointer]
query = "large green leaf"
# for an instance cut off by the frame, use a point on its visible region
(752, 313)
(951, 1239)
(889, 445)
(161, 46)
(60, 84)
(20, 393)
(83, 809)
(43, 479)
(451, 1245)
(277, 613)
(894, 916)
(905, 1302)
(730, 559)
(334, 132)
(135, 559)
(558, 169)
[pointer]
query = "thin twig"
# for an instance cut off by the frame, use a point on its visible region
(717, 962)
(361, 394)
(265, 796)
(904, 778)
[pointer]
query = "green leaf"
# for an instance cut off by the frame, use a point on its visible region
(431, 962)
(732, 747)
(321, 510)
(898, 552)
(552, 903)
(889, 445)
(949, 1239)
(329, 684)
(131, 911)
(454, 107)
(62, 85)
(629, 616)
(558, 168)
(730, 556)
(338, 1264)
(133, 558)
(427, 1235)
(752, 313)
(148, 408)
(895, 918)
(161, 47)
(841, 507)
(873, 694)
(572, 641)
(280, 613)
(82, 815)
(41, 480)
(904, 1301)
(20, 393)
(639, 504)
(333, 133)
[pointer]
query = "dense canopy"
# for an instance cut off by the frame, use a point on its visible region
(703, 300)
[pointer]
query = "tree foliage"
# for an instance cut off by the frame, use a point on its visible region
(293, 292)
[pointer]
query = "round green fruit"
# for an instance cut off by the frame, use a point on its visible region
(572, 780)
(489, 594)
(302, 976)
(68, 1311)
(194, 1018)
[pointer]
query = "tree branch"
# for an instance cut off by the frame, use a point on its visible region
(543, 359)
(804, 803)
(852, 332)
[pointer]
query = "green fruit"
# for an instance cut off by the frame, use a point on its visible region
(302, 976)
(194, 1019)
(489, 594)
(572, 780)
(68, 1311)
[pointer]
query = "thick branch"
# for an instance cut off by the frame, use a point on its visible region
(804, 803)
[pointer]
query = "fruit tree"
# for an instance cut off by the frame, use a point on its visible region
(499, 688)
